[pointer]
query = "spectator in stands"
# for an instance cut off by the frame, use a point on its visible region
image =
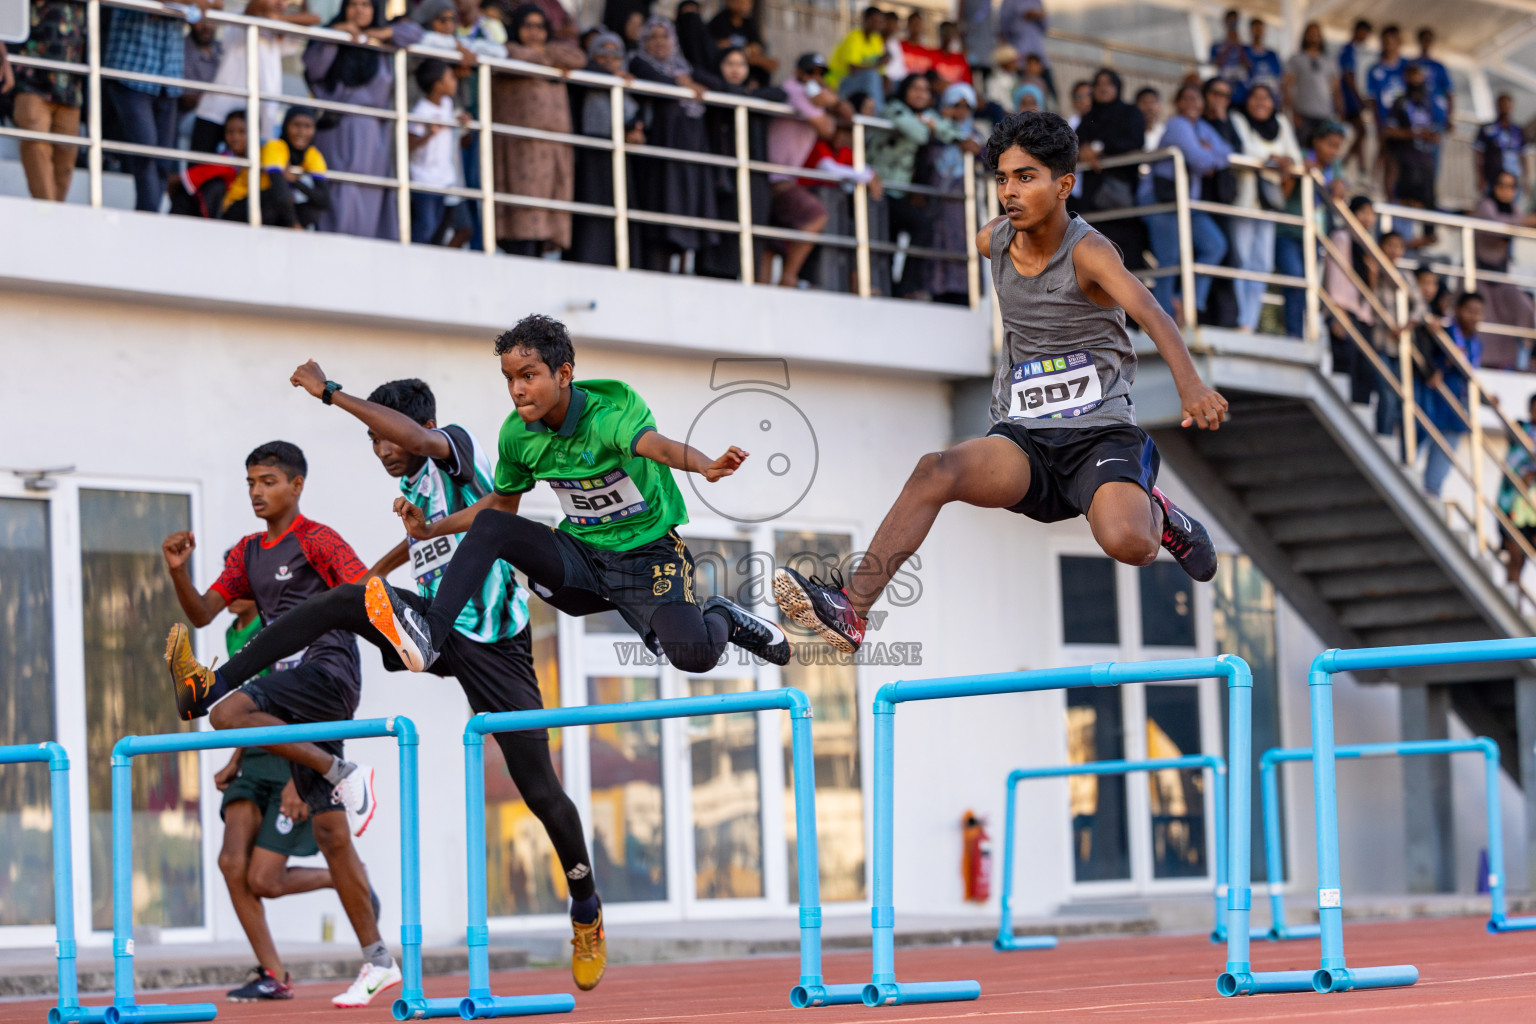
(1412, 131)
(978, 27)
(949, 59)
(434, 149)
(1230, 56)
(1269, 138)
(1264, 66)
(791, 204)
(1389, 403)
(148, 44)
(671, 186)
(916, 54)
(204, 54)
(1111, 127)
(1022, 25)
(1151, 106)
(1028, 97)
(1384, 84)
(1311, 85)
(693, 40)
(534, 167)
(1500, 146)
(894, 154)
(1082, 102)
(895, 63)
(1503, 303)
(1037, 74)
(1353, 105)
(948, 280)
(214, 108)
(1323, 157)
(592, 238)
(7, 73)
(857, 62)
(1436, 296)
(1220, 186)
(1204, 151)
(834, 270)
(561, 25)
(1435, 75)
(619, 15)
(206, 185)
(1340, 282)
(1445, 372)
(293, 185)
(356, 143)
(734, 28)
(997, 93)
(723, 258)
(1517, 502)
(49, 101)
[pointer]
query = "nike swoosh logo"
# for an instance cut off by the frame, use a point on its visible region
(1102, 461)
(375, 986)
(364, 810)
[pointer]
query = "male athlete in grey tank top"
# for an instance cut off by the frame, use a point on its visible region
(1064, 440)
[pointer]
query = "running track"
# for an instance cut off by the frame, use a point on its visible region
(1466, 975)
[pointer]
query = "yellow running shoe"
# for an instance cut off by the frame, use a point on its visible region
(589, 953)
(191, 680)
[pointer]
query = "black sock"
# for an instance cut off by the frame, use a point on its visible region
(585, 911)
(218, 688)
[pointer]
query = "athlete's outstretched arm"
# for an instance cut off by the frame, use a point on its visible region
(200, 608)
(1100, 269)
(654, 446)
(394, 427)
(417, 527)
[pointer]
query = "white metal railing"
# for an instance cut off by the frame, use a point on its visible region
(620, 210)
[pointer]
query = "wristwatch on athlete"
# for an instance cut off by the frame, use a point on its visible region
(331, 387)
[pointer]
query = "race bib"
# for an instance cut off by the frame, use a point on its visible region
(599, 499)
(430, 558)
(1055, 388)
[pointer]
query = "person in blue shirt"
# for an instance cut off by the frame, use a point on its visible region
(1349, 86)
(1444, 371)
(1412, 133)
(1384, 84)
(1230, 57)
(1435, 75)
(1499, 147)
(1264, 66)
(1204, 151)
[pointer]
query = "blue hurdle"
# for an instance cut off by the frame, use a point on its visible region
(1498, 918)
(1239, 977)
(124, 1009)
(1006, 941)
(480, 1003)
(68, 1008)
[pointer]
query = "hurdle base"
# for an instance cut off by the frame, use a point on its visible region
(78, 1015)
(161, 1013)
(892, 993)
(418, 1008)
(804, 996)
(1253, 983)
(1499, 925)
(486, 1007)
(1009, 943)
(1284, 933)
(1347, 979)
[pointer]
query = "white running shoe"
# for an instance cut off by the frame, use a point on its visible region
(371, 980)
(355, 793)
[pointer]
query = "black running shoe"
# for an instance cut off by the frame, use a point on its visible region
(820, 606)
(752, 633)
(400, 624)
(1187, 540)
(261, 988)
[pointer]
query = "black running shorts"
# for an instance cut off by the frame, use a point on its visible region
(308, 693)
(1067, 466)
(635, 582)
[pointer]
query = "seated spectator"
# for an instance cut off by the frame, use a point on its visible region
(734, 28)
(1350, 92)
(916, 54)
(1267, 137)
(434, 149)
(1204, 151)
(1500, 146)
(49, 101)
(205, 185)
(856, 65)
(1151, 106)
(214, 108)
(1413, 129)
(293, 187)
(1036, 73)
(1311, 85)
(997, 94)
(1263, 63)
(893, 154)
(791, 204)
(1230, 56)
(592, 238)
(1503, 303)
(1444, 371)
(948, 280)
(356, 143)
(1028, 97)
(534, 167)
(671, 186)
(949, 59)
(1082, 102)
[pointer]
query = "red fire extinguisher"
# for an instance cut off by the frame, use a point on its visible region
(976, 864)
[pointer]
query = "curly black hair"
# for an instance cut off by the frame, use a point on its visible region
(542, 334)
(1045, 136)
(287, 457)
(410, 397)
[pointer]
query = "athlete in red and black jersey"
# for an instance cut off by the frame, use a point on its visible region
(295, 558)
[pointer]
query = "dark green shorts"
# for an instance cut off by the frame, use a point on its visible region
(279, 833)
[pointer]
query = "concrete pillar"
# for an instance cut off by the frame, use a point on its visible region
(1431, 853)
(1525, 733)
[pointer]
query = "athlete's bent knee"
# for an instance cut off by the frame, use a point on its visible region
(691, 657)
(331, 832)
(265, 882)
(231, 712)
(232, 864)
(1131, 547)
(934, 473)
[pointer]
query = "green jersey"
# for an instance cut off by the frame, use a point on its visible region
(499, 611)
(612, 498)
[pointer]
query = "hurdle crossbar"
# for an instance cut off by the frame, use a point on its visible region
(1498, 918)
(480, 1003)
(1006, 940)
(124, 1009)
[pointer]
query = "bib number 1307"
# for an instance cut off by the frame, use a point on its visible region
(1061, 386)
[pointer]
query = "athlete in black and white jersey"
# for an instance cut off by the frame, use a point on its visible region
(1064, 440)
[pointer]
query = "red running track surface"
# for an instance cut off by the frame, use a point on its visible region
(1466, 975)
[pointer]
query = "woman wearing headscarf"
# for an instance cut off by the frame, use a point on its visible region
(355, 143)
(723, 257)
(893, 155)
(1503, 303)
(533, 167)
(671, 186)
(1112, 127)
(592, 238)
(693, 40)
(1269, 138)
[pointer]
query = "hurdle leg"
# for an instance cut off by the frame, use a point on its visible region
(1006, 941)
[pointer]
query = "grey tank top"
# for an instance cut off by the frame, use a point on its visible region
(1067, 361)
